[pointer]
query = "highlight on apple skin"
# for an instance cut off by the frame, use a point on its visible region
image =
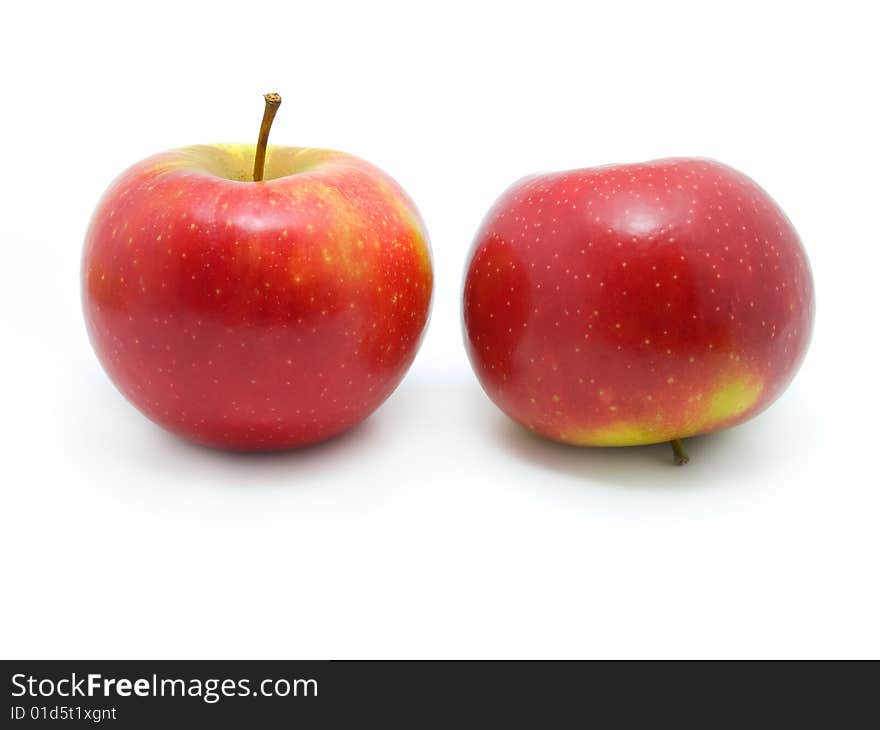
(636, 304)
(256, 315)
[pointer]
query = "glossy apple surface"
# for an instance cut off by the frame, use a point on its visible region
(633, 304)
(256, 315)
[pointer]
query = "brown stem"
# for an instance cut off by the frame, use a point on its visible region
(273, 101)
(681, 457)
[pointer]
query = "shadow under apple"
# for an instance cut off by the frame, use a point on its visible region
(287, 468)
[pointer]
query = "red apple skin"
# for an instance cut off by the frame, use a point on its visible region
(634, 304)
(256, 316)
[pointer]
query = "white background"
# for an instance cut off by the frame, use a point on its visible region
(437, 528)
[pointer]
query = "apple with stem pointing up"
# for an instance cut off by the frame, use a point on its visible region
(253, 297)
(636, 304)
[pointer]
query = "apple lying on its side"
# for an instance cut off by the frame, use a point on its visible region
(634, 304)
(251, 313)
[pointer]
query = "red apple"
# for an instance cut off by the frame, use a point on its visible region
(256, 315)
(634, 304)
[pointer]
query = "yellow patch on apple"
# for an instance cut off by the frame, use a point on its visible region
(733, 397)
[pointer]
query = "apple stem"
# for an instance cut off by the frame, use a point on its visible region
(273, 101)
(681, 457)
